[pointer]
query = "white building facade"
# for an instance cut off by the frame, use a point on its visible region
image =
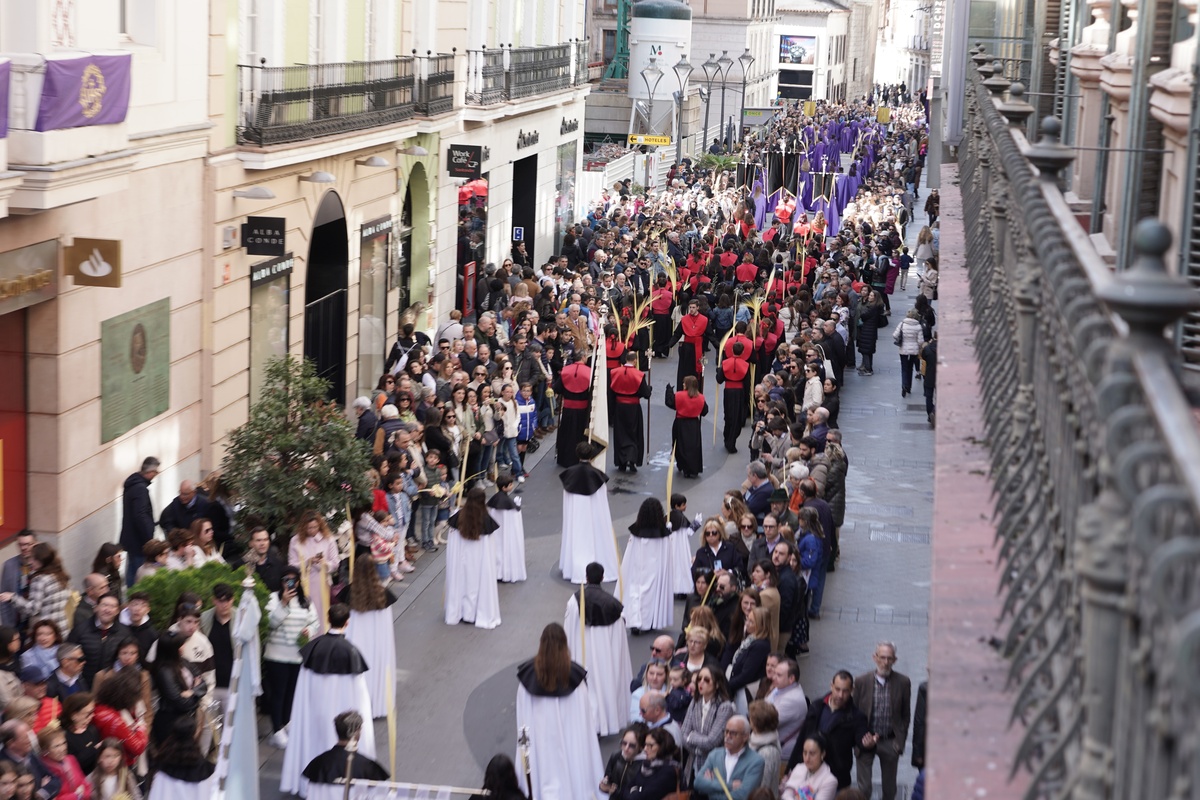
(811, 48)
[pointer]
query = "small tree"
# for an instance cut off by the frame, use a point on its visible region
(297, 452)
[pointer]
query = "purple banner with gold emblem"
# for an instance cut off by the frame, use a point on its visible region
(5, 76)
(89, 90)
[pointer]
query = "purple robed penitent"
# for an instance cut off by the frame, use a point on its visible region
(84, 90)
(5, 77)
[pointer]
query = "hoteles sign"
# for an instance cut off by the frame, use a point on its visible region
(464, 161)
(264, 236)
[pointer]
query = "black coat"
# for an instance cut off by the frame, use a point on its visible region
(752, 666)
(99, 651)
(137, 518)
(728, 556)
(847, 728)
(366, 426)
(177, 515)
(652, 780)
(873, 318)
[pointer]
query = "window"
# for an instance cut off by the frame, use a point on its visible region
(137, 20)
(610, 46)
(249, 40)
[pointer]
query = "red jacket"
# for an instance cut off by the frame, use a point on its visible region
(110, 723)
(75, 785)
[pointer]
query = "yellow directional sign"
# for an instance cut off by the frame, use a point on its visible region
(639, 138)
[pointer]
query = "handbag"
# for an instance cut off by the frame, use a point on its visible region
(679, 794)
(490, 437)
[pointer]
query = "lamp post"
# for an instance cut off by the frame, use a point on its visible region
(711, 69)
(650, 72)
(726, 64)
(683, 71)
(747, 61)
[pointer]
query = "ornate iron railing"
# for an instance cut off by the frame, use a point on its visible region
(1096, 466)
(435, 84)
(515, 73)
(289, 104)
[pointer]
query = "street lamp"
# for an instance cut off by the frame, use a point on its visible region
(650, 72)
(711, 70)
(683, 71)
(726, 64)
(747, 61)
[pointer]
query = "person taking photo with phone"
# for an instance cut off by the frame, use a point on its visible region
(291, 623)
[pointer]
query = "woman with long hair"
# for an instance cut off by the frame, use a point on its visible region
(204, 548)
(49, 588)
(553, 696)
(83, 737)
(764, 578)
(686, 442)
(108, 563)
(764, 740)
(314, 551)
(814, 558)
(704, 726)
(646, 570)
(128, 661)
(373, 632)
(500, 780)
(471, 594)
(291, 622)
(182, 770)
(179, 690)
(716, 553)
(656, 774)
(748, 600)
(112, 779)
(749, 663)
(872, 318)
(620, 767)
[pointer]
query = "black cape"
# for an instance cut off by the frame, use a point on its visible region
(582, 478)
(490, 525)
(528, 678)
(659, 532)
(330, 767)
(502, 501)
(600, 607)
(678, 520)
(332, 654)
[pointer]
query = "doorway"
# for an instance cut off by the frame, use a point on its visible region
(325, 295)
(524, 204)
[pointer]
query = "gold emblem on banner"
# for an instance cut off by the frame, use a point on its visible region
(91, 91)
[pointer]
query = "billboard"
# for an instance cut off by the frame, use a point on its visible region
(798, 49)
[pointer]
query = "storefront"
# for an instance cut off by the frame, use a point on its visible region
(522, 190)
(270, 290)
(28, 275)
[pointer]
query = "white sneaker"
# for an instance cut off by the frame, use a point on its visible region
(279, 740)
(520, 479)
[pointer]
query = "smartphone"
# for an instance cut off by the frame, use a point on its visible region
(717, 565)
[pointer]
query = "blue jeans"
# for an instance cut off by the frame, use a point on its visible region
(816, 584)
(509, 456)
(133, 562)
(487, 453)
(425, 522)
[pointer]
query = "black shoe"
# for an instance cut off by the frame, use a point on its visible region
(632, 469)
(814, 615)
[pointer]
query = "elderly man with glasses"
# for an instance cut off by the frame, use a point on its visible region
(732, 771)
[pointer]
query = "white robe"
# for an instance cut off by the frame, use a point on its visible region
(605, 655)
(374, 634)
(646, 582)
(471, 594)
(320, 698)
(681, 561)
(587, 535)
(510, 544)
(564, 755)
(165, 787)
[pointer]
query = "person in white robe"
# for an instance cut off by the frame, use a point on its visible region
(681, 544)
(471, 594)
(587, 532)
(182, 771)
(555, 712)
(505, 510)
(373, 631)
(332, 680)
(599, 643)
(341, 761)
(646, 579)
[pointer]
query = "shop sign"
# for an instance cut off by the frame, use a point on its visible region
(94, 262)
(568, 126)
(28, 275)
(527, 139)
(464, 161)
(645, 138)
(267, 271)
(264, 236)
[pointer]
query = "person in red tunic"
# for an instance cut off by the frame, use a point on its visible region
(574, 386)
(734, 372)
(693, 329)
(629, 386)
(662, 302)
(689, 407)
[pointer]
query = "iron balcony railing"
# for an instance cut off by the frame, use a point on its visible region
(515, 73)
(289, 104)
(1096, 466)
(435, 84)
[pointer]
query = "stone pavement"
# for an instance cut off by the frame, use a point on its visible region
(457, 684)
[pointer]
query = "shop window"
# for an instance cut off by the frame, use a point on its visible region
(270, 290)
(375, 260)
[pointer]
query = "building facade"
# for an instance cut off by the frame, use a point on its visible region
(903, 50)
(101, 255)
(813, 38)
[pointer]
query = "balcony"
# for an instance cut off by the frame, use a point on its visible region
(1095, 467)
(435, 84)
(280, 105)
(74, 153)
(510, 74)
